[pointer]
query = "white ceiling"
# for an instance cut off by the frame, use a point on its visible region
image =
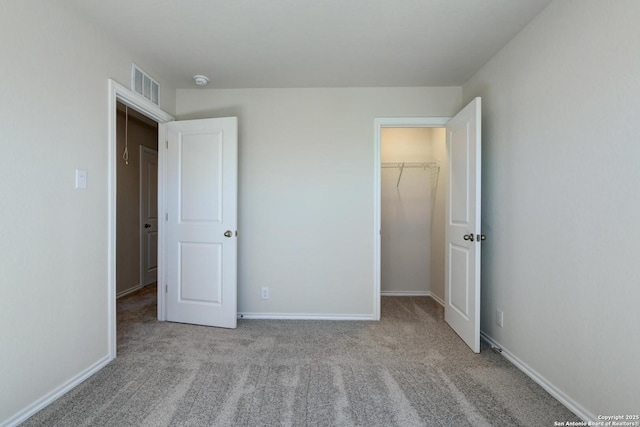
(314, 43)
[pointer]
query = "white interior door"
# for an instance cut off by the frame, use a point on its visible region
(462, 233)
(201, 199)
(148, 215)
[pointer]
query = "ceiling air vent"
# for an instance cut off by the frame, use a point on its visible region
(143, 84)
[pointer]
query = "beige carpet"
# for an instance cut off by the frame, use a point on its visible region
(409, 369)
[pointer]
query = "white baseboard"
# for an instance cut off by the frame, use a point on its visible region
(129, 291)
(412, 294)
(405, 293)
(55, 394)
(303, 316)
(573, 406)
(437, 299)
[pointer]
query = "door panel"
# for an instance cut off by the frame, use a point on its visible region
(200, 286)
(462, 255)
(202, 158)
(459, 156)
(152, 253)
(200, 178)
(148, 215)
(459, 295)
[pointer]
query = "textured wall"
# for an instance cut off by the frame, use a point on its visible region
(561, 206)
(53, 273)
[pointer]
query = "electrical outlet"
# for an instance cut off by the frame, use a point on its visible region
(265, 293)
(499, 317)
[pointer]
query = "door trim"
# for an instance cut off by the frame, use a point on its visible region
(379, 123)
(117, 92)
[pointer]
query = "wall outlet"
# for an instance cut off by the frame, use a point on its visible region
(499, 317)
(81, 179)
(264, 294)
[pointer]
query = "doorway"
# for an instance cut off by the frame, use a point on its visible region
(462, 217)
(413, 169)
(118, 93)
(136, 200)
(397, 123)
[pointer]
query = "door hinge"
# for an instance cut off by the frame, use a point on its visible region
(166, 289)
(166, 217)
(167, 143)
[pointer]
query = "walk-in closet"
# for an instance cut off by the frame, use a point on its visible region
(413, 179)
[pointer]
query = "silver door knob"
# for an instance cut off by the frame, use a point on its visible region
(468, 237)
(228, 233)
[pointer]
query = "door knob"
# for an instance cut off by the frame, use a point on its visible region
(147, 226)
(228, 233)
(468, 237)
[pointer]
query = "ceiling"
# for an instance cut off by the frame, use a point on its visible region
(313, 43)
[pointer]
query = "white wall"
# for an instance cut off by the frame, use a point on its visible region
(561, 172)
(53, 238)
(412, 241)
(306, 189)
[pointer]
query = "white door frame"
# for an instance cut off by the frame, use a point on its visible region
(117, 92)
(379, 123)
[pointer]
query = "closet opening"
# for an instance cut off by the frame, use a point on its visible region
(412, 176)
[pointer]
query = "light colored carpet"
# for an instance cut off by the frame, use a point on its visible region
(409, 369)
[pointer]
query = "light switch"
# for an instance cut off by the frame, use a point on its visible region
(81, 179)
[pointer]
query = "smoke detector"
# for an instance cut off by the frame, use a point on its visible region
(201, 80)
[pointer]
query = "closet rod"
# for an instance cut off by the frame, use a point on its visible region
(402, 165)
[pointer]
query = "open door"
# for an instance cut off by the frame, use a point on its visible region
(463, 234)
(201, 199)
